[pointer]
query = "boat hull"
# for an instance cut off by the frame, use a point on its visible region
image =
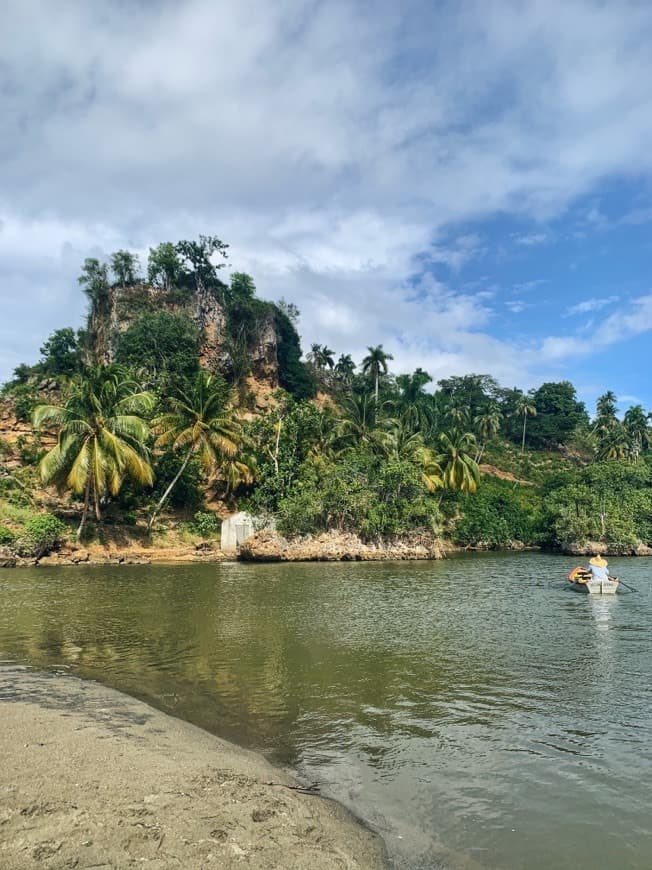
(597, 587)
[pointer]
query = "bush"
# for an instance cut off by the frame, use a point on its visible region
(205, 524)
(7, 537)
(40, 535)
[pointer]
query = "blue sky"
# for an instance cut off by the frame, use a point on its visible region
(467, 183)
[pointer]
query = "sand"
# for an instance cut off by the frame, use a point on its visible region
(90, 778)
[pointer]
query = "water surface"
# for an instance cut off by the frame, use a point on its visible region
(477, 712)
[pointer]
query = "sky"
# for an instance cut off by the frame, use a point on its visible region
(467, 183)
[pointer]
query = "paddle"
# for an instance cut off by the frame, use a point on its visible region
(622, 583)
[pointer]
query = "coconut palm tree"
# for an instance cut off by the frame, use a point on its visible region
(638, 429)
(488, 425)
(614, 442)
(524, 408)
(459, 469)
(200, 423)
(359, 425)
(401, 442)
(414, 405)
(375, 364)
(102, 437)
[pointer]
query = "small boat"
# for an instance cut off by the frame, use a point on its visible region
(582, 581)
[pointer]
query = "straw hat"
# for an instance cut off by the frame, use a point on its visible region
(598, 561)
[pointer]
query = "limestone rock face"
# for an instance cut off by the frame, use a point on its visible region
(122, 307)
(333, 546)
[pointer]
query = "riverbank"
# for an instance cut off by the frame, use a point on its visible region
(92, 777)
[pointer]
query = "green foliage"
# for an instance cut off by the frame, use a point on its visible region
(7, 536)
(359, 494)
(558, 414)
(186, 493)
(205, 524)
(102, 437)
(164, 347)
(610, 502)
(163, 266)
(40, 535)
(29, 449)
(61, 354)
(293, 375)
(498, 514)
(94, 279)
(125, 267)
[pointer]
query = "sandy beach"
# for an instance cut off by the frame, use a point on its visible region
(90, 778)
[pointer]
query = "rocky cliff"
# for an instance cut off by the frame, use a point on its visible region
(118, 308)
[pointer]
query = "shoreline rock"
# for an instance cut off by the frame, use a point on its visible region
(270, 546)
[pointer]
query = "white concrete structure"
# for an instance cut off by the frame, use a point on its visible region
(235, 530)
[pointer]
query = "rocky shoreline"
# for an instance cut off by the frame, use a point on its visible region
(93, 778)
(270, 546)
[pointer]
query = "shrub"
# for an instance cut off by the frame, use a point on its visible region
(40, 535)
(205, 524)
(7, 537)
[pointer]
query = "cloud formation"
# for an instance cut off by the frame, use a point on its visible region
(342, 155)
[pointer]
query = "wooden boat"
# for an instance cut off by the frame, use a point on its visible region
(582, 581)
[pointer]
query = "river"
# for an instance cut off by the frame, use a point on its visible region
(476, 711)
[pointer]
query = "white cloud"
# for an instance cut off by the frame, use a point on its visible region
(339, 152)
(594, 304)
(617, 327)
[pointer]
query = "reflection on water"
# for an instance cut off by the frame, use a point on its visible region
(473, 710)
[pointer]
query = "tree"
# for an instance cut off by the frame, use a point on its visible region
(471, 392)
(525, 408)
(488, 424)
(358, 425)
(125, 266)
(241, 287)
(459, 469)
(322, 357)
(163, 346)
(163, 266)
(559, 413)
(605, 418)
(199, 422)
(197, 266)
(375, 364)
(290, 310)
(414, 404)
(102, 437)
(94, 279)
(345, 369)
(61, 353)
(613, 442)
(638, 430)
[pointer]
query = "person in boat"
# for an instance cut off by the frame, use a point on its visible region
(598, 568)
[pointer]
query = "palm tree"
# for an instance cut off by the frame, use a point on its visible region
(525, 407)
(459, 470)
(374, 364)
(200, 423)
(488, 425)
(359, 424)
(402, 443)
(345, 368)
(638, 430)
(101, 438)
(614, 443)
(414, 404)
(322, 356)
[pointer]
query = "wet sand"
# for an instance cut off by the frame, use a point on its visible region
(90, 778)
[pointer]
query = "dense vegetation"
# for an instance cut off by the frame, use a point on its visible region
(134, 418)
